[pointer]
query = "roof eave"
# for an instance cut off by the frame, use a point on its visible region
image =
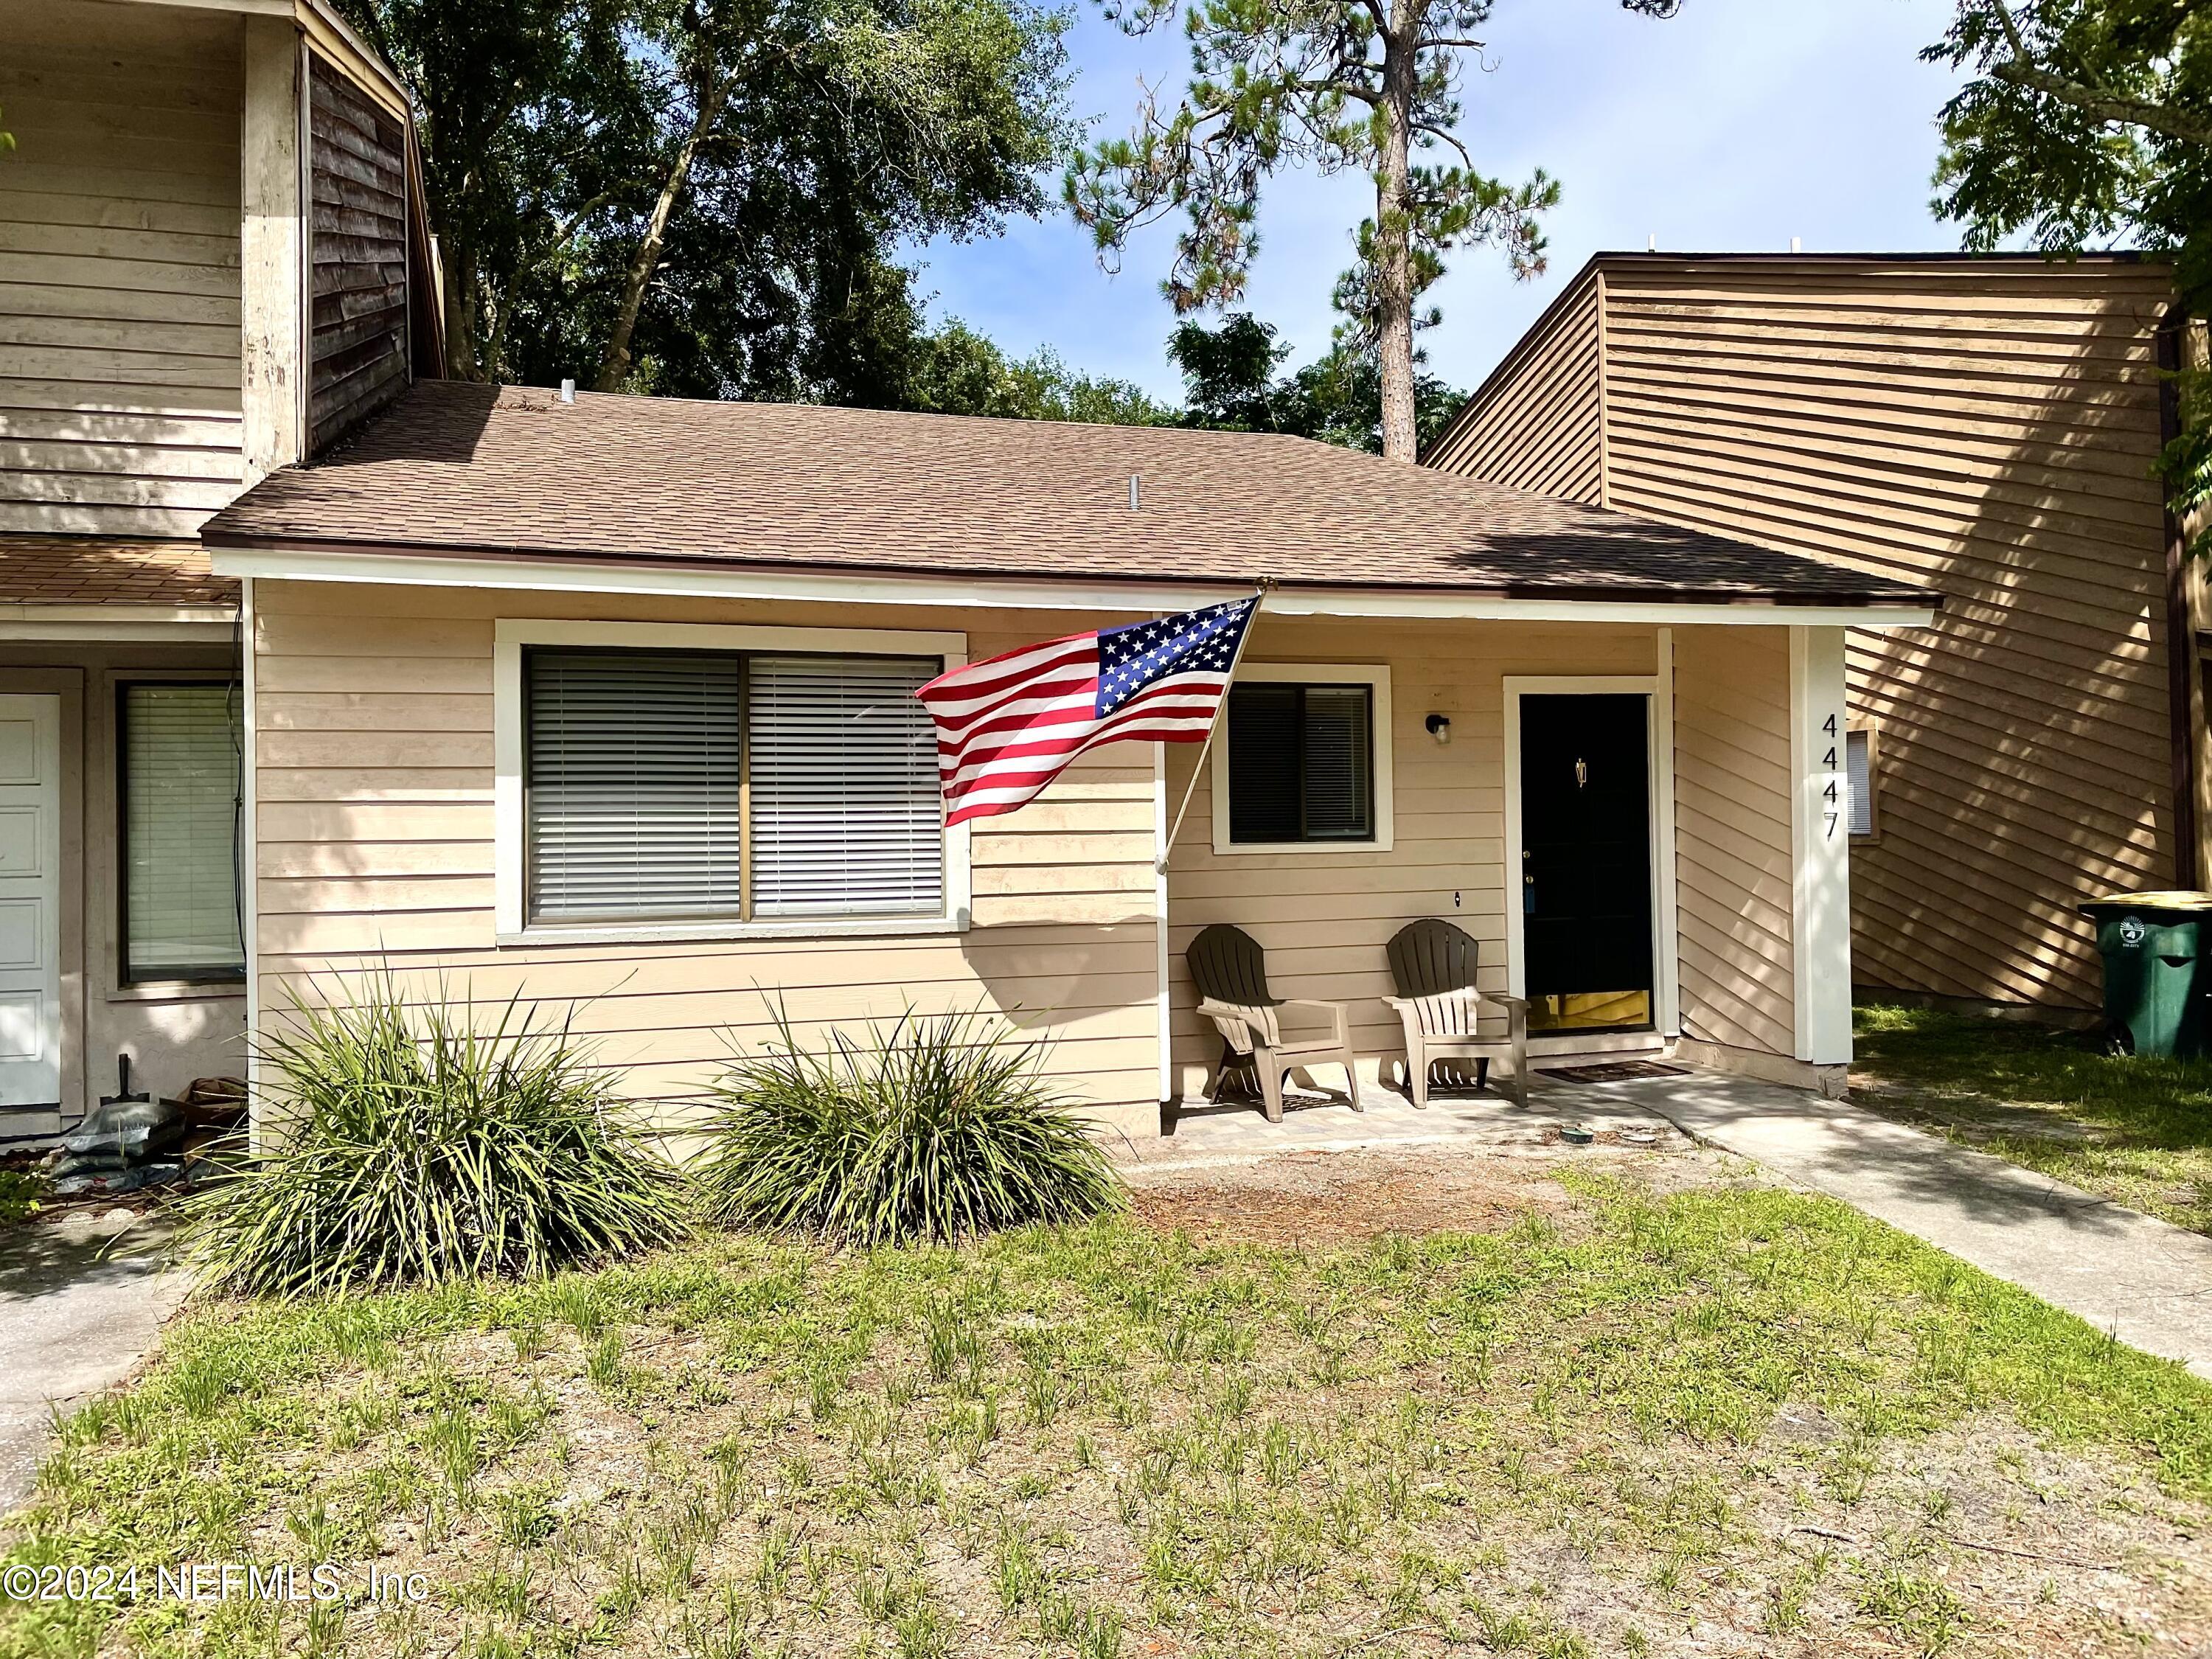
(243, 554)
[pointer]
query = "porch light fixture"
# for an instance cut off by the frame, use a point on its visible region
(1440, 727)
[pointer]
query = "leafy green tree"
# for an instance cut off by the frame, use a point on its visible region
(527, 112)
(956, 371)
(2085, 124)
(1229, 373)
(1371, 85)
(1230, 382)
(706, 196)
(895, 119)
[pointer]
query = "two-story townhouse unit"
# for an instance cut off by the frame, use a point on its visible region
(1987, 428)
(213, 263)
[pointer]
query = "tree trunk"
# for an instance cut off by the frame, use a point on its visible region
(615, 365)
(1393, 235)
(458, 271)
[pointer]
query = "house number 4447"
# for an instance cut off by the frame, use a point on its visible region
(1832, 795)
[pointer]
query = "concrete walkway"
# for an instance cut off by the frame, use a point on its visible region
(80, 1300)
(2149, 1282)
(2145, 1281)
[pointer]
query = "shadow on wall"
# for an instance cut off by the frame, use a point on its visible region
(169, 1043)
(2024, 759)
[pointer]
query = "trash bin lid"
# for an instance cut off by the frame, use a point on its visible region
(2184, 903)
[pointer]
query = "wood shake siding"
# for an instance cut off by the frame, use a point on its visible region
(375, 844)
(357, 173)
(1987, 428)
(1540, 429)
(120, 343)
(1324, 918)
(1733, 847)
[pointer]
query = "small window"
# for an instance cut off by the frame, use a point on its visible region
(1301, 764)
(1858, 754)
(180, 748)
(707, 786)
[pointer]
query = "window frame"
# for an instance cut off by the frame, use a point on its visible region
(129, 982)
(1871, 728)
(1375, 677)
(513, 638)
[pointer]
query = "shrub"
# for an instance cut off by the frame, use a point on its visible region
(22, 1191)
(929, 1129)
(411, 1144)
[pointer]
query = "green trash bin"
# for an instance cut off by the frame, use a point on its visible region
(2157, 982)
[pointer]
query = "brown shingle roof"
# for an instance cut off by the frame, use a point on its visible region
(77, 570)
(458, 468)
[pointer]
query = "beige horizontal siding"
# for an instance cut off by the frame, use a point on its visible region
(1536, 425)
(1990, 435)
(1732, 850)
(119, 371)
(1324, 918)
(375, 846)
(1987, 431)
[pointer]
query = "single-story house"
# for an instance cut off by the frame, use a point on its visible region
(608, 701)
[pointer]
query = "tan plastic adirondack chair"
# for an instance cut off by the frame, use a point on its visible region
(1433, 964)
(1231, 972)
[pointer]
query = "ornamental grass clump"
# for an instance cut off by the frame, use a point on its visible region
(419, 1144)
(927, 1129)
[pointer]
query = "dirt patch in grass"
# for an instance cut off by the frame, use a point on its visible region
(1312, 1198)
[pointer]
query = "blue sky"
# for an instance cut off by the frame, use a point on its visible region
(1736, 125)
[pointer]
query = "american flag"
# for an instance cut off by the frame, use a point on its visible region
(1006, 726)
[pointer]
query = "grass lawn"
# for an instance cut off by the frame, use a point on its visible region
(1724, 1419)
(2136, 1131)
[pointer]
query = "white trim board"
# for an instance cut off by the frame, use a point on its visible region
(855, 587)
(249, 854)
(1821, 848)
(509, 637)
(1163, 1027)
(1380, 744)
(121, 624)
(1657, 690)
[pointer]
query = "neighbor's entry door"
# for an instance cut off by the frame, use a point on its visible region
(30, 900)
(1586, 861)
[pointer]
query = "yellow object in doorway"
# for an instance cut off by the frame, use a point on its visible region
(1591, 1010)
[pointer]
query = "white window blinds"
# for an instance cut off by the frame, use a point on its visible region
(636, 771)
(645, 768)
(845, 810)
(179, 782)
(1857, 755)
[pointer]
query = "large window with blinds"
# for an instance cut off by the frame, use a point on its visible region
(179, 746)
(698, 786)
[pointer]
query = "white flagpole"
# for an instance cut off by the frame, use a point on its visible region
(1198, 767)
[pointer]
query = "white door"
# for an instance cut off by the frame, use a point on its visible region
(30, 900)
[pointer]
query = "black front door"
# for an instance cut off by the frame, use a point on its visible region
(1586, 861)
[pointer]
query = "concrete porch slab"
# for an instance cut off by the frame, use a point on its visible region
(1200, 1134)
